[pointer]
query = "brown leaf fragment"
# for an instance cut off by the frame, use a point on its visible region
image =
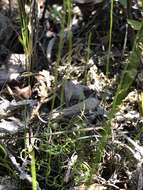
(94, 186)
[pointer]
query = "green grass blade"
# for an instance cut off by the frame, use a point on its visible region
(110, 37)
(33, 170)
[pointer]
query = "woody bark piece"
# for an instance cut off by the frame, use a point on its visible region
(87, 105)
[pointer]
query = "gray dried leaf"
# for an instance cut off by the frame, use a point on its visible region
(87, 105)
(73, 91)
(4, 104)
(11, 126)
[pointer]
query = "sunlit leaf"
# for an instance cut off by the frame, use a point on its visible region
(124, 3)
(136, 25)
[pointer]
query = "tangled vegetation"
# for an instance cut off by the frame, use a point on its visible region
(71, 107)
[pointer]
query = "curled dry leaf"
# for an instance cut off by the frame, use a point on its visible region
(44, 76)
(41, 89)
(25, 92)
(43, 84)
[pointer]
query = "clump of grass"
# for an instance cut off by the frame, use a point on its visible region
(56, 148)
(28, 40)
(25, 37)
(127, 78)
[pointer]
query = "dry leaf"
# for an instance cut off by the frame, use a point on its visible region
(23, 92)
(94, 186)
